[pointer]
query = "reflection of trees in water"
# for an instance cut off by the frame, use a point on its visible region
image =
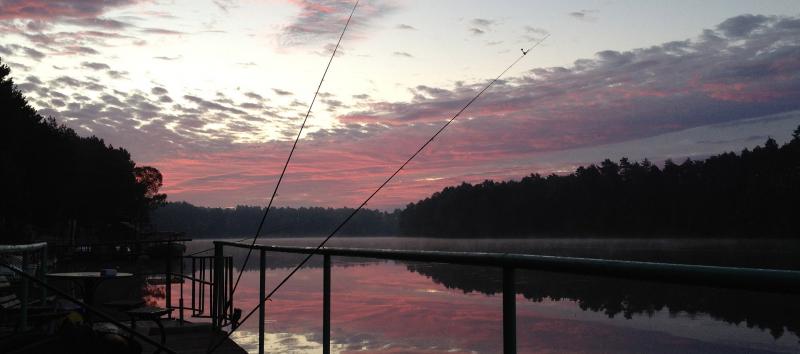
(613, 297)
(773, 312)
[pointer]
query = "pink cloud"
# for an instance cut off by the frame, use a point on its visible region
(54, 9)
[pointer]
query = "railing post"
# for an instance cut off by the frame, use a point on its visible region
(194, 312)
(229, 293)
(168, 280)
(217, 291)
(509, 312)
(326, 305)
(202, 291)
(23, 322)
(180, 299)
(262, 293)
(43, 273)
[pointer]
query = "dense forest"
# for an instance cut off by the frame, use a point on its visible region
(751, 194)
(52, 180)
(242, 221)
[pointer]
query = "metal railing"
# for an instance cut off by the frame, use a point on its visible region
(41, 282)
(202, 273)
(765, 280)
(33, 258)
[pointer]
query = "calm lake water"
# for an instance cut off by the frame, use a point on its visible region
(407, 307)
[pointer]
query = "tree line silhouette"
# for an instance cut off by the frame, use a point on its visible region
(241, 221)
(751, 194)
(53, 180)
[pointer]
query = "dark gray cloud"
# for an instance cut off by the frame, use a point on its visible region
(282, 92)
(68, 81)
(583, 15)
(402, 54)
(167, 58)
(158, 90)
(404, 26)
(211, 105)
(115, 74)
(112, 100)
(57, 94)
(33, 53)
(5, 50)
(47, 10)
(248, 105)
(33, 79)
(37, 25)
(535, 30)
(81, 50)
(224, 5)
(104, 23)
(254, 96)
(741, 26)
(323, 19)
(480, 26)
(482, 22)
(161, 31)
(95, 66)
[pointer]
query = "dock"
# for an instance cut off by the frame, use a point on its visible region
(190, 338)
(98, 328)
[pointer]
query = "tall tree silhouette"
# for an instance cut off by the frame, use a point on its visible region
(51, 176)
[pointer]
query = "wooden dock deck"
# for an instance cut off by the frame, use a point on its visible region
(191, 338)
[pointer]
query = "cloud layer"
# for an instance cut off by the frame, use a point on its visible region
(226, 149)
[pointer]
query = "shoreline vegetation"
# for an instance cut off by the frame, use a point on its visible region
(753, 194)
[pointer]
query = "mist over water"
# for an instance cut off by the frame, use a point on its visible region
(390, 307)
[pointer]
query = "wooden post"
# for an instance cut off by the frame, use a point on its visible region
(326, 305)
(509, 312)
(168, 280)
(217, 291)
(180, 299)
(43, 273)
(262, 293)
(194, 292)
(23, 321)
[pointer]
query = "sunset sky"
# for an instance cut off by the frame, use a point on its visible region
(212, 93)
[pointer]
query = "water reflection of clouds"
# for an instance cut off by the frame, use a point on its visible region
(383, 307)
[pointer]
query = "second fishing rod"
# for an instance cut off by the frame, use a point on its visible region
(361, 206)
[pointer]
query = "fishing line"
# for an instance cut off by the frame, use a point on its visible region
(289, 158)
(305, 260)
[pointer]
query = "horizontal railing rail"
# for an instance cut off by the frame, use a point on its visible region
(766, 280)
(32, 256)
(119, 242)
(771, 280)
(22, 248)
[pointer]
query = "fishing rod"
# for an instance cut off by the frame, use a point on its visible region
(291, 152)
(350, 216)
(289, 158)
